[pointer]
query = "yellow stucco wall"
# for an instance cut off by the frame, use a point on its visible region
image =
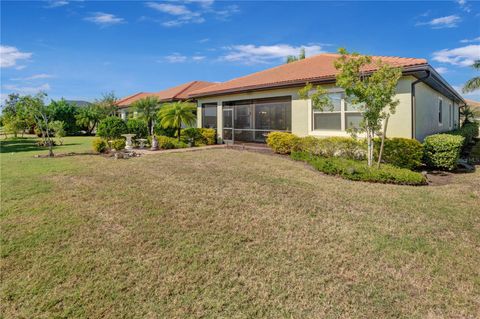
(400, 123)
(427, 112)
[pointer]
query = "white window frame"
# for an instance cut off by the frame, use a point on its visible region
(450, 115)
(440, 111)
(327, 132)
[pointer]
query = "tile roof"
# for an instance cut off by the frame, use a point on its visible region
(180, 92)
(315, 68)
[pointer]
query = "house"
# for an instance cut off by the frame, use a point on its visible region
(176, 93)
(249, 107)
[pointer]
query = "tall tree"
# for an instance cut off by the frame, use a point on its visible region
(373, 91)
(147, 108)
(88, 117)
(173, 115)
(107, 104)
(42, 114)
(474, 83)
(65, 112)
(292, 58)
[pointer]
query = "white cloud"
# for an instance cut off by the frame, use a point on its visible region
(198, 58)
(104, 19)
(191, 11)
(252, 54)
(183, 14)
(477, 39)
(443, 22)
(176, 58)
(10, 55)
(205, 40)
(441, 70)
(463, 56)
(56, 3)
(470, 95)
(34, 77)
(463, 4)
(27, 89)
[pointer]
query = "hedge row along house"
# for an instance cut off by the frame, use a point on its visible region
(247, 108)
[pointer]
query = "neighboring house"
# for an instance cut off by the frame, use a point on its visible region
(249, 107)
(177, 93)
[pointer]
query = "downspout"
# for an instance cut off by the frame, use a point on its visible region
(413, 100)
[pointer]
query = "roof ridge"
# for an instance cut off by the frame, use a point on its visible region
(189, 85)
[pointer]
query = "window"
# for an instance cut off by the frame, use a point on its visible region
(340, 116)
(440, 115)
(330, 118)
(209, 115)
(450, 115)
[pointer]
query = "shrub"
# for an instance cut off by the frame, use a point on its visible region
(99, 145)
(160, 131)
(401, 152)
(177, 144)
(345, 147)
(360, 171)
(111, 127)
(281, 142)
(209, 135)
(469, 131)
(138, 127)
(192, 135)
(118, 144)
(165, 142)
(442, 150)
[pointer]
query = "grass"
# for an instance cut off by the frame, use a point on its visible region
(226, 233)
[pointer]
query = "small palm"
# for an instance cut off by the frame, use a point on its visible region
(147, 107)
(474, 83)
(173, 115)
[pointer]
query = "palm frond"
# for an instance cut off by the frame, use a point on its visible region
(472, 85)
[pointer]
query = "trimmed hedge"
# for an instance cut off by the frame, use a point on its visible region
(359, 171)
(345, 147)
(99, 145)
(111, 127)
(401, 152)
(442, 151)
(210, 135)
(281, 142)
(138, 127)
(199, 136)
(118, 144)
(165, 143)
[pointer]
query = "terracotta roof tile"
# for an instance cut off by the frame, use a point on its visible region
(315, 68)
(180, 92)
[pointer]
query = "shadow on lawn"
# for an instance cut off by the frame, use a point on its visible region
(19, 145)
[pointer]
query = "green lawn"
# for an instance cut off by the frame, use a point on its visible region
(232, 234)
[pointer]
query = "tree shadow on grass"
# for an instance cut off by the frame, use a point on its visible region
(16, 145)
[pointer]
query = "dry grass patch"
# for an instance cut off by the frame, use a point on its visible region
(226, 233)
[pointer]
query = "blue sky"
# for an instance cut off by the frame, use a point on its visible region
(81, 49)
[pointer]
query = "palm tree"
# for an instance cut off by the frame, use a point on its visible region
(88, 117)
(474, 83)
(173, 115)
(147, 108)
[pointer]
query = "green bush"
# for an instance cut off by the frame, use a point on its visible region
(179, 144)
(209, 135)
(138, 127)
(165, 142)
(160, 131)
(469, 131)
(118, 144)
(401, 152)
(442, 151)
(192, 135)
(345, 147)
(99, 145)
(281, 142)
(359, 171)
(111, 127)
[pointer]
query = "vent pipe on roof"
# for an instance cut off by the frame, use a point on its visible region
(413, 101)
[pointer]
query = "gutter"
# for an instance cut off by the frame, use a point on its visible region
(413, 101)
